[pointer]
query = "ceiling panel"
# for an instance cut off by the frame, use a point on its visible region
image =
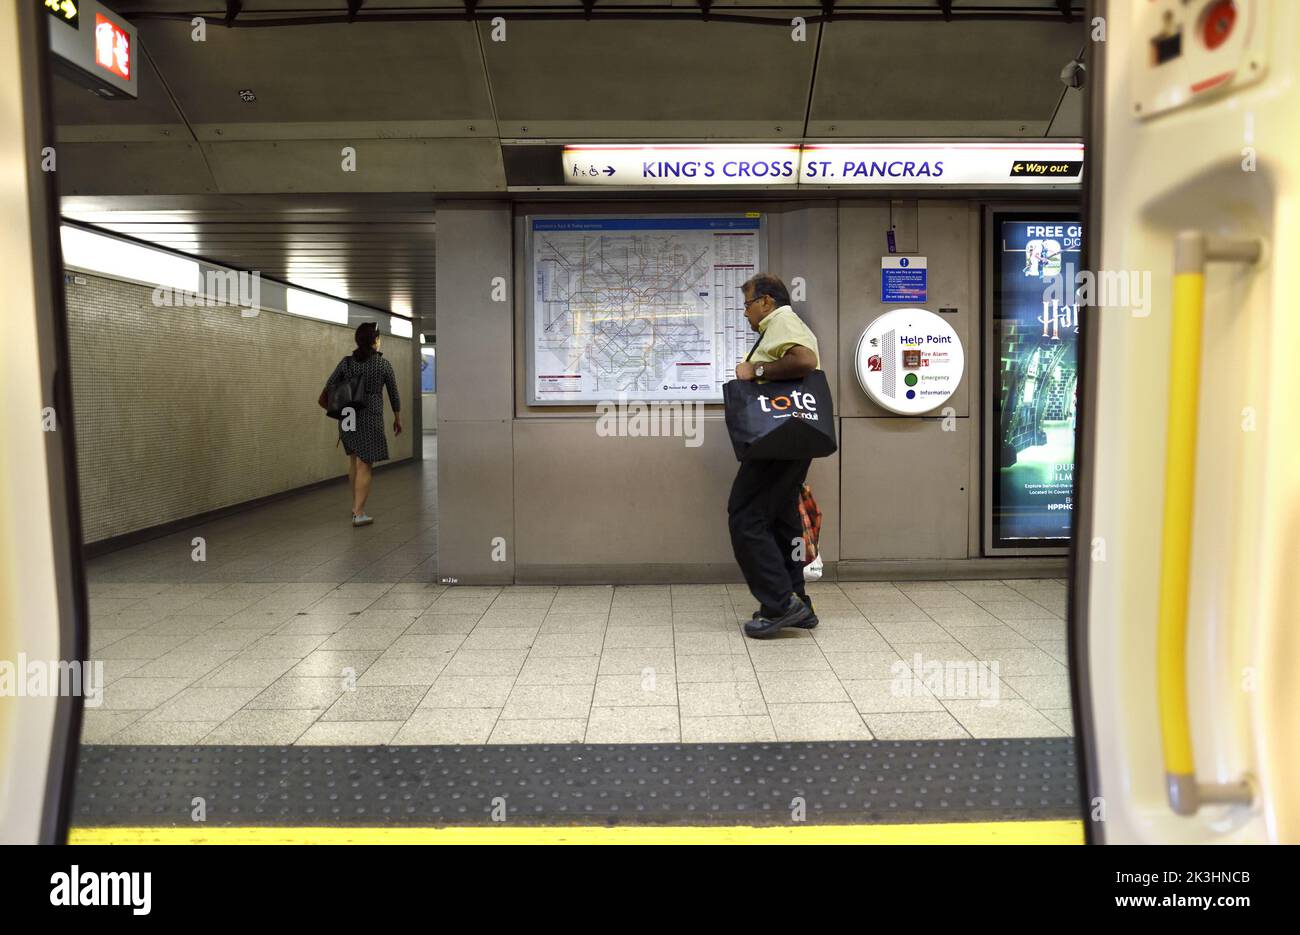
(576, 79)
(358, 72)
(377, 250)
(216, 9)
(1069, 116)
(136, 168)
(960, 78)
(380, 166)
(153, 111)
(291, 166)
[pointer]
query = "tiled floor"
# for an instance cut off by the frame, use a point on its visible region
(304, 538)
(299, 629)
(415, 663)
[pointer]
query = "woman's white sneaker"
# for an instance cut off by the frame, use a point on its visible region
(361, 519)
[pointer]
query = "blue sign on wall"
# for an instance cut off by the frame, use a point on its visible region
(902, 280)
(428, 373)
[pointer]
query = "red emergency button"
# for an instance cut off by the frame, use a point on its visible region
(1218, 22)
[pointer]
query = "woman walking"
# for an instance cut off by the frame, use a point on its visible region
(363, 435)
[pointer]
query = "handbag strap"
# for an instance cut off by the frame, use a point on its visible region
(754, 348)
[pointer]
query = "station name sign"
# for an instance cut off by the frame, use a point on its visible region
(732, 164)
(1008, 163)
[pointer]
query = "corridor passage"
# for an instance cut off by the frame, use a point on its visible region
(300, 539)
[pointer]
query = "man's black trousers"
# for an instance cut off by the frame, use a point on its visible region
(763, 514)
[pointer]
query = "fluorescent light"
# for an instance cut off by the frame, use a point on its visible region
(100, 254)
(399, 326)
(311, 305)
(428, 352)
(326, 286)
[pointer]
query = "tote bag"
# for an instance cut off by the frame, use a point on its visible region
(781, 420)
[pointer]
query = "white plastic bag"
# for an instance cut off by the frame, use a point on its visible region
(813, 570)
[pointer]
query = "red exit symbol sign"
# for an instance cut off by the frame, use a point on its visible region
(112, 46)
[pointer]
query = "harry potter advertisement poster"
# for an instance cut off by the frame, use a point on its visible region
(1035, 377)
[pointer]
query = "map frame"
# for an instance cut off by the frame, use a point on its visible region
(530, 312)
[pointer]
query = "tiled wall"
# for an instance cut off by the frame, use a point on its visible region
(184, 410)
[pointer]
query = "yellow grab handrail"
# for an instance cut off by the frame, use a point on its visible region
(1192, 250)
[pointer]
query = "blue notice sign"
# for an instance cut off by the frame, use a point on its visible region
(902, 279)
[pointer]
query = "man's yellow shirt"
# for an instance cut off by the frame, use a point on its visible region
(781, 330)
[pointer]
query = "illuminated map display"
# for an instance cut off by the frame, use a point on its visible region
(639, 308)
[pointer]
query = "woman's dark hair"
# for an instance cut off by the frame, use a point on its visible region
(769, 285)
(366, 334)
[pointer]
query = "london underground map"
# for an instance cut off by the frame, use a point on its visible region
(638, 308)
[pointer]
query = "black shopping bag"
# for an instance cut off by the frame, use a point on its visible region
(781, 420)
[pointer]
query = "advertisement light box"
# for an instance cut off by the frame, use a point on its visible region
(1032, 407)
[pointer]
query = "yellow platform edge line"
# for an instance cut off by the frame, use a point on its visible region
(1002, 832)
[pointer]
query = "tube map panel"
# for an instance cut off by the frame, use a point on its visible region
(638, 308)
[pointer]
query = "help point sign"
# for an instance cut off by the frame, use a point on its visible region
(909, 361)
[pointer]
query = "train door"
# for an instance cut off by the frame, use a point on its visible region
(1186, 600)
(42, 604)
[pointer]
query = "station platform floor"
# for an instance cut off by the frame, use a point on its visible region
(299, 630)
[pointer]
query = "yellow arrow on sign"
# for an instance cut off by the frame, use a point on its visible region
(67, 7)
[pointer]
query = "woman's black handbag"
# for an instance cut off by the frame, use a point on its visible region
(348, 393)
(781, 420)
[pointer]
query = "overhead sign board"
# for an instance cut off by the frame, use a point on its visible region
(1009, 163)
(94, 47)
(1000, 164)
(909, 361)
(727, 164)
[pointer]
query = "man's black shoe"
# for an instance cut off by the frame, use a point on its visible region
(795, 614)
(808, 624)
(812, 620)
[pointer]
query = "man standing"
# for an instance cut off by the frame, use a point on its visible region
(763, 509)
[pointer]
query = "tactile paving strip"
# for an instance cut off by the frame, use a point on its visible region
(728, 784)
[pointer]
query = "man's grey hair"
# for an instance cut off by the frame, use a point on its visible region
(769, 285)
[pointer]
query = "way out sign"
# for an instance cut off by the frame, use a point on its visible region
(902, 280)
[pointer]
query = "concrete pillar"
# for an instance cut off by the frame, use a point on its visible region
(475, 393)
